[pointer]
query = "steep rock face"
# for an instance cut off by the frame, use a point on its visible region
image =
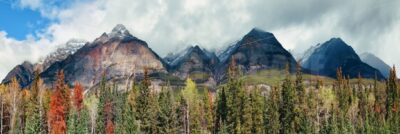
(326, 58)
(257, 50)
(24, 74)
(194, 62)
(376, 62)
(117, 55)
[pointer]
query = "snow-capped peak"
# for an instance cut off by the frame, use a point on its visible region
(62, 52)
(120, 31)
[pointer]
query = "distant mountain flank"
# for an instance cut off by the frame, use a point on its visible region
(324, 59)
(376, 62)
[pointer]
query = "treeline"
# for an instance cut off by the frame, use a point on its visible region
(288, 108)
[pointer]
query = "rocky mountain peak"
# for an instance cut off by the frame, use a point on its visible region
(120, 31)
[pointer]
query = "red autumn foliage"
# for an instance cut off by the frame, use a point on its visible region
(78, 97)
(109, 123)
(57, 113)
(57, 110)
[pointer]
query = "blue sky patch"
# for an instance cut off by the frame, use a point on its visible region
(18, 22)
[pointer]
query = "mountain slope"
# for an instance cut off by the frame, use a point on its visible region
(118, 55)
(327, 57)
(376, 62)
(257, 50)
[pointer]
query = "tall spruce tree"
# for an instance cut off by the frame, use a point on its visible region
(104, 96)
(221, 110)
(208, 110)
(392, 102)
(166, 117)
(272, 113)
(147, 106)
(34, 122)
(287, 108)
(257, 105)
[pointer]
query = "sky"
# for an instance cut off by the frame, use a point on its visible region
(30, 29)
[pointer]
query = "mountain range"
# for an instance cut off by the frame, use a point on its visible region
(121, 58)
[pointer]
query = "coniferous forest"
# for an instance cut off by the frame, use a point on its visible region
(290, 107)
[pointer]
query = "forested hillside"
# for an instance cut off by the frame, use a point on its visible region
(289, 107)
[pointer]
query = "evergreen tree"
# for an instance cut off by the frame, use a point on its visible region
(287, 108)
(208, 109)
(146, 106)
(257, 104)
(302, 120)
(166, 117)
(236, 100)
(392, 102)
(246, 122)
(221, 110)
(104, 97)
(34, 122)
(272, 114)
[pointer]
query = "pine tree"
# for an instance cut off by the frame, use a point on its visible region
(287, 107)
(392, 102)
(272, 114)
(126, 122)
(34, 122)
(104, 97)
(257, 104)
(208, 109)
(235, 99)
(246, 115)
(167, 119)
(221, 110)
(302, 120)
(147, 106)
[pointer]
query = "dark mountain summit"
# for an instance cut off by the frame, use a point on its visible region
(192, 61)
(118, 55)
(257, 50)
(326, 58)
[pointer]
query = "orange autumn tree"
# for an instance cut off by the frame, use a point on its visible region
(78, 97)
(57, 107)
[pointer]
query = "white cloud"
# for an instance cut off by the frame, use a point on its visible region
(167, 25)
